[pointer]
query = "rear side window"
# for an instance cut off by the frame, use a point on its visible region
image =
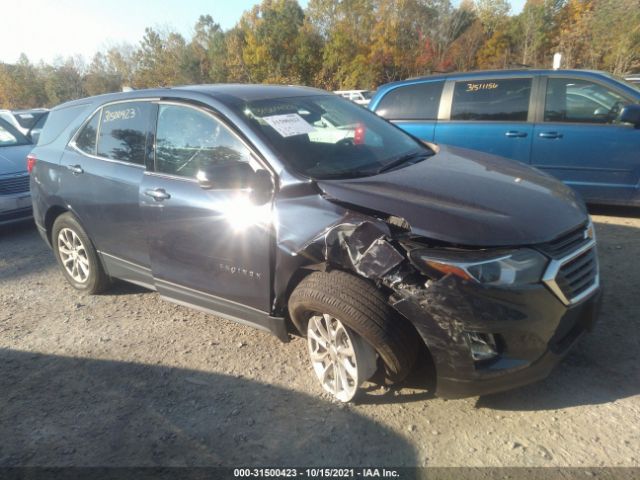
(492, 100)
(123, 131)
(86, 140)
(412, 102)
(58, 120)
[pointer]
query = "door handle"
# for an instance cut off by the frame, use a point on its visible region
(75, 169)
(514, 134)
(158, 194)
(550, 135)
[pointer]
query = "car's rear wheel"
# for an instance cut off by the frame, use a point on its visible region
(349, 324)
(76, 255)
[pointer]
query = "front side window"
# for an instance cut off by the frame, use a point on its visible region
(189, 140)
(10, 137)
(86, 140)
(412, 102)
(492, 100)
(325, 136)
(123, 131)
(573, 100)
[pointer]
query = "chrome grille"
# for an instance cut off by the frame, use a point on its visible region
(11, 185)
(565, 244)
(577, 275)
(574, 276)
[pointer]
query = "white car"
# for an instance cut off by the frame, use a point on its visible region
(27, 122)
(361, 97)
(635, 79)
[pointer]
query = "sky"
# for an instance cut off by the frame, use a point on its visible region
(46, 29)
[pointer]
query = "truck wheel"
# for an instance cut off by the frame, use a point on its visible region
(76, 255)
(347, 321)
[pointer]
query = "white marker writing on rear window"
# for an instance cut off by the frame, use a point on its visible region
(289, 125)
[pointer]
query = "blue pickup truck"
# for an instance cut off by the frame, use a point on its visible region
(582, 127)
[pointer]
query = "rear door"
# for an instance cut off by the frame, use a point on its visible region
(579, 140)
(491, 115)
(414, 108)
(210, 248)
(102, 171)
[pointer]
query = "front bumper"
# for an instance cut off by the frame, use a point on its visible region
(15, 208)
(534, 329)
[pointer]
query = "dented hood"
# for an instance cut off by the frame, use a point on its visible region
(468, 198)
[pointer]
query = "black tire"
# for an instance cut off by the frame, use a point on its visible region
(364, 309)
(97, 280)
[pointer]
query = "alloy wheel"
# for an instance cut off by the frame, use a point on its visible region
(73, 255)
(341, 359)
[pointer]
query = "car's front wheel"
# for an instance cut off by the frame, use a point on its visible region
(341, 359)
(349, 325)
(76, 255)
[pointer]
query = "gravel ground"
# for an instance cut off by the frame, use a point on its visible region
(127, 379)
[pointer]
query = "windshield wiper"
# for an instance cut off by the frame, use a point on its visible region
(345, 174)
(404, 159)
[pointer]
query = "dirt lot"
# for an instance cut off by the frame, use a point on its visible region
(127, 379)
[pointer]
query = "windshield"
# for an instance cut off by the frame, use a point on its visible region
(10, 137)
(325, 136)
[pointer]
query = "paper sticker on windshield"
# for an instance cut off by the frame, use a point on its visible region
(289, 125)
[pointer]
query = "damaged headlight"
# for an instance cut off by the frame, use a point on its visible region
(505, 268)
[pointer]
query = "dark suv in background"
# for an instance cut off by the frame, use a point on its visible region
(582, 127)
(15, 202)
(296, 211)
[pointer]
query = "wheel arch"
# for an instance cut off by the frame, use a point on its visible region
(50, 217)
(300, 274)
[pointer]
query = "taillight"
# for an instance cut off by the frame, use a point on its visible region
(358, 135)
(31, 162)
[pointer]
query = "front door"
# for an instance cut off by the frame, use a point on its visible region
(580, 141)
(209, 248)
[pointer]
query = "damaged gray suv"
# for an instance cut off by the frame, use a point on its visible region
(297, 212)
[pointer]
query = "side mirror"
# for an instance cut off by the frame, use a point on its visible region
(237, 176)
(631, 114)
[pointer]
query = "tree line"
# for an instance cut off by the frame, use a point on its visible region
(344, 44)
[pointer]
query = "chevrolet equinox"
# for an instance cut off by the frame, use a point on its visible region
(293, 210)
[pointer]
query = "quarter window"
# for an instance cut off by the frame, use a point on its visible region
(86, 140)
(188, 140)
(413, 102)
(578, 101)
(492, 100)
(123, 131)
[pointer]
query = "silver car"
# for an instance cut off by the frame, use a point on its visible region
(15, 199)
